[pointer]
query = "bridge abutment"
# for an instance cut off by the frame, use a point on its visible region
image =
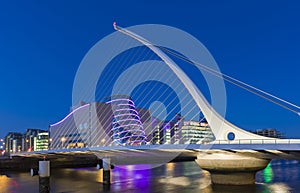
(231, 169)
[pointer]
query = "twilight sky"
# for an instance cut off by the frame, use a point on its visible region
(43, 42)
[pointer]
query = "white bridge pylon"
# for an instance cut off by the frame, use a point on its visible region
(221, 128)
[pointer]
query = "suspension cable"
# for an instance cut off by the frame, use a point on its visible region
(241, 84)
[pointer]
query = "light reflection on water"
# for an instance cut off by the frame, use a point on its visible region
(172, 177)
(268, 174)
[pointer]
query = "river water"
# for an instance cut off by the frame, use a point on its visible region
(279, 177)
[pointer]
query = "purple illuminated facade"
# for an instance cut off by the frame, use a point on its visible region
(101, 124)
(127, 127)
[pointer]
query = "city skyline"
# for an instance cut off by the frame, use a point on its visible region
(42, 45)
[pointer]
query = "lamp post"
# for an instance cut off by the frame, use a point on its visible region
(49, 143)
(30, 142)
(26, 148)
(63, 139)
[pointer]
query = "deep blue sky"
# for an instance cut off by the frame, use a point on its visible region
(43, 42)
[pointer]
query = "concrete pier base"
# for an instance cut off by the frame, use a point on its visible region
(44, 184)
(106, 170)
(231, 169)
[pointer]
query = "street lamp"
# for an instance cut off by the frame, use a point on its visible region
(49, 143)
(63, 139)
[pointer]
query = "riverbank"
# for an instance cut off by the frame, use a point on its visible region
(26, 163)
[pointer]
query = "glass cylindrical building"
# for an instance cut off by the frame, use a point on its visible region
(127, 128)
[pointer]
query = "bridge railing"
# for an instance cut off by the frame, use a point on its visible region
(258, 141)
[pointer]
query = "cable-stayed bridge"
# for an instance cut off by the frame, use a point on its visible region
(118, 132)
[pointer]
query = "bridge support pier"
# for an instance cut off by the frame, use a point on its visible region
(106, 170)
(231, 169)
(44, 176)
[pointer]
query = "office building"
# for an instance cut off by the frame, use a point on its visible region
(195, 132)
(42, 141)
(181, 131)
(29, 139)
(270, 133)
(13, 142)
(163, 132)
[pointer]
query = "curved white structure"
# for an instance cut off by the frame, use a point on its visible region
(222, 129)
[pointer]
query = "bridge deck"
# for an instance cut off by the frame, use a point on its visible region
(155, 154)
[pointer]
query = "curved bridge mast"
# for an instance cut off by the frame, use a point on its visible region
(222, 129)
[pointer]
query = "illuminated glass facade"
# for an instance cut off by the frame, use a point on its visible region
(163, 132)
(127, 128)
(42, 141)
(195, 132)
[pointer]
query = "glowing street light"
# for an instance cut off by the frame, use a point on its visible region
(63, 139)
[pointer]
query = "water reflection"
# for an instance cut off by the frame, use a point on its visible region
(268, 174)
(279, 188)
(133, 177)
(172, 177)
(4, 183)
